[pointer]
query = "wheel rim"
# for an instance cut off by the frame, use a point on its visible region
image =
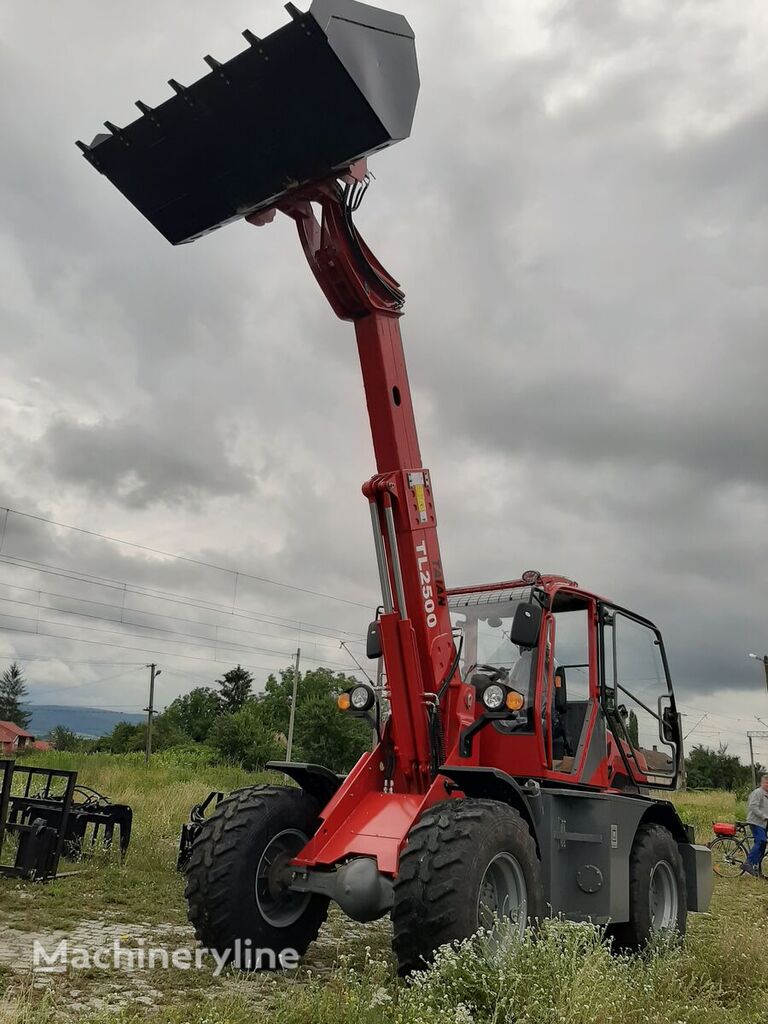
(728, 856)
(663, 897)
(278, 905)
(503, 893)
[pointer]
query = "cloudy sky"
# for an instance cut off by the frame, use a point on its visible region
(580, 223)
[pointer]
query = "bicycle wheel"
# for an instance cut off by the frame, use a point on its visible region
(728, 856)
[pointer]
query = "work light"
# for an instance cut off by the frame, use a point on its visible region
(493, 697)
(357, 700)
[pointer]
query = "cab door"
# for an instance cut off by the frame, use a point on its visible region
(638, 700)
(577, 725)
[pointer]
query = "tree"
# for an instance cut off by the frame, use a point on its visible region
(245, 737)
(195, 712)
(322, 733)
(717, 769)
(123, 739)
(13, 694)
(235, 688)
(633, 730)
(126, 738)
(62, 738)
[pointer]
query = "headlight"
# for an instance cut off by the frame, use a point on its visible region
(493, 697)
(361, 698)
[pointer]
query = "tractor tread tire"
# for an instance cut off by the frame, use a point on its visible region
(440, 871)
(652, 843)
(220, 874)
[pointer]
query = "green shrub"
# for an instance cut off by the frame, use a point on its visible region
(245, 738)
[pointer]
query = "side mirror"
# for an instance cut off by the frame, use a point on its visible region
(668, 726)
(526, 625)
(373, 641)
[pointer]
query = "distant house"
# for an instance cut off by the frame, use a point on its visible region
(13, 739)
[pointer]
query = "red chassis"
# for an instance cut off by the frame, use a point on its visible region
(373, 810)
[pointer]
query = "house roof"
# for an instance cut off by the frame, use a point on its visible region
(10, 730)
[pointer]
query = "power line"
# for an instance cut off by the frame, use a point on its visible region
(140, 611)
(85, 686)
(66, 661)
(233, 645)
(344, 647)
(143, 650)
(182, 558)
(155, 594)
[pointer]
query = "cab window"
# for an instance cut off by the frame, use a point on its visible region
(570, 680)
(638, 697)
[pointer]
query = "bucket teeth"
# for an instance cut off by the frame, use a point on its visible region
(117, 132)
(250, 38)
(183, 91)
(148, 112)
(217, 68)
(82, 147)
(294, 12)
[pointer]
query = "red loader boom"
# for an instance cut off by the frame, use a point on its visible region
(530, 718)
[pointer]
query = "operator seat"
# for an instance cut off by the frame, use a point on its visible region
(561, 744)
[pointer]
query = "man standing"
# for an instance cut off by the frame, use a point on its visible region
(757, 818)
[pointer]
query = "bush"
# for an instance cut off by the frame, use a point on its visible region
(190, 756)
(62, 738)
(245, 738)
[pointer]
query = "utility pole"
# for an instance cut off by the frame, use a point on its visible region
(292, 719)
(683, 769)
(154, 672)
(757, 736)
(764, 659)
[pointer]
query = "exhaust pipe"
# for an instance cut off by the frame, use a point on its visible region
(301, 105)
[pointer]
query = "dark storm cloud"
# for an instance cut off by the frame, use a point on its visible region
(580, 223)
(144, 462)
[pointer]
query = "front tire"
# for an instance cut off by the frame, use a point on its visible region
(466, 861)
(657, 890)
(728, 857)
(233, 886)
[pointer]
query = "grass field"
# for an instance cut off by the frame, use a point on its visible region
(565, 975)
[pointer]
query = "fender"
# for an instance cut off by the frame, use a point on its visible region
(495, 784)
(314, 779)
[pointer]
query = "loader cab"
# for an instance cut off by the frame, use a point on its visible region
(597, 702)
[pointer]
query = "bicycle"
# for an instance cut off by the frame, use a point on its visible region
(732, 843)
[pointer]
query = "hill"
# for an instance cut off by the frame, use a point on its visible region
(90, 722)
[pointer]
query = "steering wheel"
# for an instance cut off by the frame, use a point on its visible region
(496, 672)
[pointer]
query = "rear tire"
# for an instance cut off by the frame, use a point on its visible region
(657, 890)
(464, 860)
(232, 890)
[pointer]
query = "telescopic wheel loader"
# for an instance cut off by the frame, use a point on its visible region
(531, 719)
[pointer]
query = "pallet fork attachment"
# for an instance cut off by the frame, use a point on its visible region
(51, 817)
